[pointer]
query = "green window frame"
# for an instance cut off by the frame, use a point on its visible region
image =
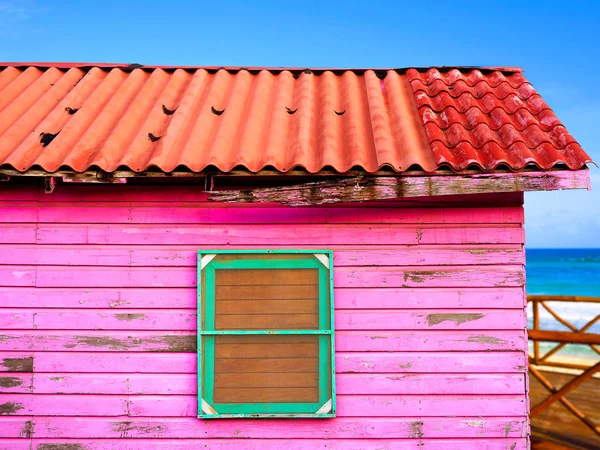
(208, 264)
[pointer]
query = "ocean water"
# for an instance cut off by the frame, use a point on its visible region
(565, 272)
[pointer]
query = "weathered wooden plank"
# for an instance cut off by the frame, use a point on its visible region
(118, 383)
(16, 319)
(344, 428)
(269, 235)
(115, 362)
(359, 406)
(185, 406)
(377, 215)
(183, 298)
(346, 362)
(16, 383)
(16, 212)
(388, 276)
(390, 298)
(187, 384)
(425, 405)
(161, 256)
(16, 427)
(64, 405)
(510, 319)
(15, 444)
(98, 341)
(119, 193)
(430, 383)
(431, 362)
(175, 212)
(430, 340)
(265, 444)
(16, 362)
(185, 320)
(18, 234)
(77, 255)
(17, 275)
(362, 189)
(64, 319)
(431, 256)
(454, 276)
(100, 297)
(90, 276)
(185, 341)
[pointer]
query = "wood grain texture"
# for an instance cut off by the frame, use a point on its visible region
(363, 189)
(266, 369)
(185, 298)
(183, 194)
(98, 323)
(177, 277)
(185, 341)
(15, 444)
(265, 236)
(264, 444)
(186, 384)
(346, 362)
(198, 212)
(185, 255)
(185, 320)
(186, 405)
(191, 428)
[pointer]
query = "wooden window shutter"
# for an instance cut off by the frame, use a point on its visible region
(265, 337)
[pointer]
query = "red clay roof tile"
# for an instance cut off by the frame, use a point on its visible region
(83, 116)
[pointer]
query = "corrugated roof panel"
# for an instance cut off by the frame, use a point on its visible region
(110, 117)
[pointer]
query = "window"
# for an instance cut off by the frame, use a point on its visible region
(265, 333)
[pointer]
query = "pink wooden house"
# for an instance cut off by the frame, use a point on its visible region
(265, 258)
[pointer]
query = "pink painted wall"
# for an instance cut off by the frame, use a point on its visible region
(97, 320)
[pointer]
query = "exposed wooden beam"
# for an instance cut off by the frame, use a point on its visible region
(363, 188)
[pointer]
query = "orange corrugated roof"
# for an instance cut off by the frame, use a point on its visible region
(82, 116)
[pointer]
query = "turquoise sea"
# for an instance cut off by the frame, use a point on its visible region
(565, 272)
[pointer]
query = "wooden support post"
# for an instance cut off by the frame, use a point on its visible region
(536, 326)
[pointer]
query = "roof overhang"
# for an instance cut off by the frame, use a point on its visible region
(299, 188)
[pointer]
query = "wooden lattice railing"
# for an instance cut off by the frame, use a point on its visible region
(562, 338)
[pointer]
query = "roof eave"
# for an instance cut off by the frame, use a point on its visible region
(311, 189)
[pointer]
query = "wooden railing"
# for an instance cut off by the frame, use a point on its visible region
(562, 338)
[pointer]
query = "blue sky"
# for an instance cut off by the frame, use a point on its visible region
(555, 42)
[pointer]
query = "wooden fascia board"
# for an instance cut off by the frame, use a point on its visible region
(365, 188)
(354, 186)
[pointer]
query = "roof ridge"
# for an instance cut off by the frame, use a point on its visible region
(132, 66)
